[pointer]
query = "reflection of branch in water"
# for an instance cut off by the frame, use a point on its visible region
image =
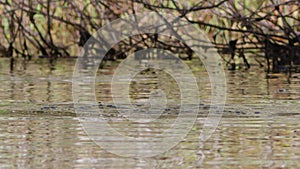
(12, 61)
(200, 153)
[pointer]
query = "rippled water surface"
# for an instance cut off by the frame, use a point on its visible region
(39, 129)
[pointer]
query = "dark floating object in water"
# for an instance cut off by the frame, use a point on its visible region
(48, 107)
(45, 107)
(283, 90)
(111, 106)
(243, 112)
(100, 104)
(238, 112)
(257, 112)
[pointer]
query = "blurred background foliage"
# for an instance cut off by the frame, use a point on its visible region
(249, 29)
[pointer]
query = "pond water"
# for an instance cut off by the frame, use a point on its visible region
(39, 129)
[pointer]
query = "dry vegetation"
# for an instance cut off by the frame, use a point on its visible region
(265, 30)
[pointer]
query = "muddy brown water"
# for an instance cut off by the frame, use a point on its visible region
(39, 129)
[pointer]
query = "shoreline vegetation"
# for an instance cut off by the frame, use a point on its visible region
(262, 32)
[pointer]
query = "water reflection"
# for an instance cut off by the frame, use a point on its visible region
(50, 81)
(37, 132)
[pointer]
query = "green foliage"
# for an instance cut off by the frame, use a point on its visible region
(39, 7)
(5, 23)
